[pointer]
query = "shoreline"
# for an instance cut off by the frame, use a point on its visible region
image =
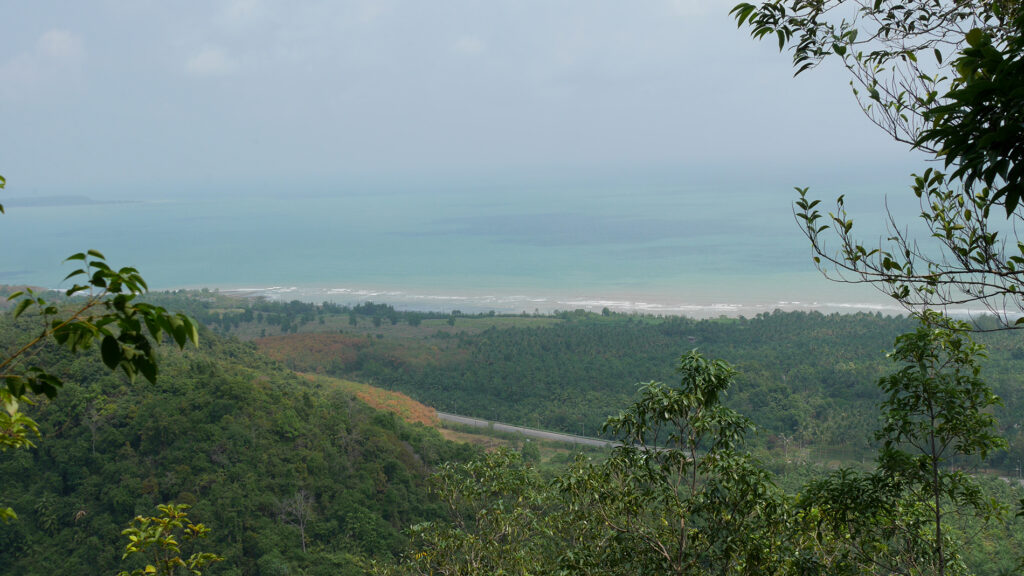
(532, 304)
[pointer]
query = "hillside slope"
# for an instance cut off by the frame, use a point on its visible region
(236, 436)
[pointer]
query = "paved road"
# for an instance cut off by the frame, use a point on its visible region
(531, 432)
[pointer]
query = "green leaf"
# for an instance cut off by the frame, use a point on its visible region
(180, 335)
(99, 279)
(742, 13)
(43, 383)
(147, 367)
(7, 514)
(20, 308)
(976, 37)
(15, 385)
(75, 289)
(193, 330)
(110, 350)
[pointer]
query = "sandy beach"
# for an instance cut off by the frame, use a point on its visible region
(468, 302)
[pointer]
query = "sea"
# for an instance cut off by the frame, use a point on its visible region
(697, 245)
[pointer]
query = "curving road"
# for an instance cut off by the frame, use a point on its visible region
(530, 432)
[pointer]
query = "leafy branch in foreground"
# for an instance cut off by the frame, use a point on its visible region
(946, 78)
(899, 54)
(964, 262)
(101, 310)
(108, 315)
(158, 541)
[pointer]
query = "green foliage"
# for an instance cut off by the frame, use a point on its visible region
(125, 329)
(530, 453)
(500, 522)
(158, 540)
(101, 309)
(239, 438)
(806, 376)
(979, 130)
(679, 496)
(808, 380)
(230, 433)
(937, 402)
(16, 426)
(108, 314)
(936, 408)
(936, 412)
(686, 418)
(964, 110)
(863, 524)
(897, 53)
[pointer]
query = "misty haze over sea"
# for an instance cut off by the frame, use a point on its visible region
(667, 245)
(518, 157)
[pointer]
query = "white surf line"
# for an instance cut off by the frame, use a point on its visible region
(531, 432)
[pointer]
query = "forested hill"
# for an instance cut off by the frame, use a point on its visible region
(800, 372)
(255, 449)
(808, 380)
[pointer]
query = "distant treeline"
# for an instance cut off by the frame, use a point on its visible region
(224, 314)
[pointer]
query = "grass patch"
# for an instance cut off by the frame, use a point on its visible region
(404, 407)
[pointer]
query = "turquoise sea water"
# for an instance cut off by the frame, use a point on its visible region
(680, 247)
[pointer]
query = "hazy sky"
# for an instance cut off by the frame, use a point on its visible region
(136, 96)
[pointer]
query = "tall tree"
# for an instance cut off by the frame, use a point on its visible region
(680, 495)
(937, 409)
(297, 510)
(936, 413)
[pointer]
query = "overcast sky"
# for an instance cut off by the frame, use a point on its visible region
(147, 97)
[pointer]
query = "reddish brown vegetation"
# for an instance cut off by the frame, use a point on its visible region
(405, 407)
(313, 352)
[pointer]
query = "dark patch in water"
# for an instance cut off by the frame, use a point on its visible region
(565, 229)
